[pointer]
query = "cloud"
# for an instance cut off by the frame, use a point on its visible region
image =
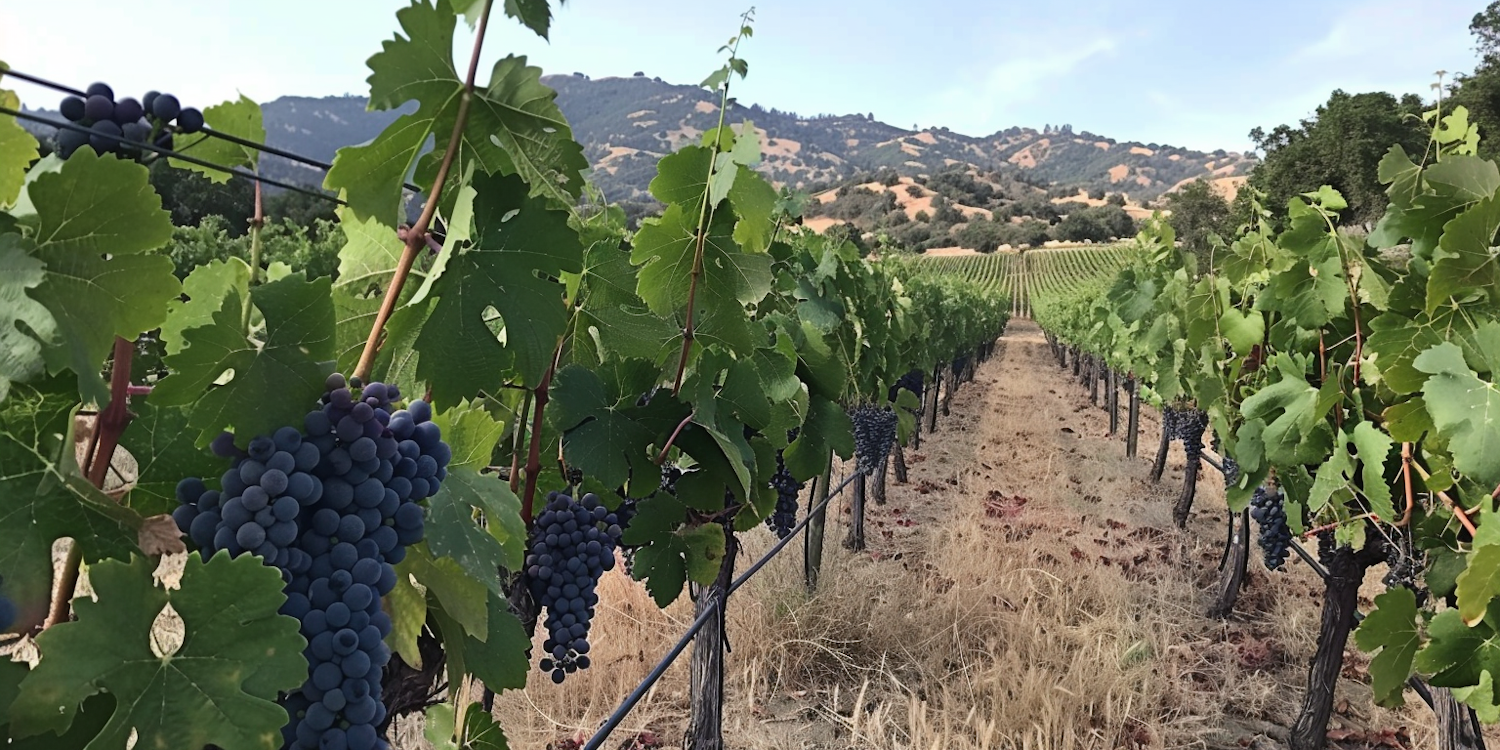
(970, 105)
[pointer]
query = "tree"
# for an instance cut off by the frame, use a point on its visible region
(1096, 194)
(1479, 92)
(1198, 211)
(1341, 145)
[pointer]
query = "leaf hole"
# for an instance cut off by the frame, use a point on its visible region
(167, 633)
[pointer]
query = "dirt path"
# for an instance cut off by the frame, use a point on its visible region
(1025, 589)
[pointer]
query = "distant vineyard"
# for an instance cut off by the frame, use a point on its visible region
(1035, 273)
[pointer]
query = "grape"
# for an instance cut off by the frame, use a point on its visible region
(98, 108)
(72, 108)
(874, 434)
(165, 107)
(149, 99)
(69, 141)
(1405, 564)
(911, 381)
(223, 446)
(189, 120)
(569, 548)
(1275, 537)
(128, 110)
(101, 89)
(137, 133)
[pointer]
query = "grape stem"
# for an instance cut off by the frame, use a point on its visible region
(109, 424)
(662, 457)
(1461, 513)
(416, 238)
(534, 456)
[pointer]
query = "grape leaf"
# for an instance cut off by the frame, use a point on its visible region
(219, 687)
(407, 607)
(480, 729)
(496, 655)
(1464, 260)
(162, 444)
(21, 316)
(458, 595)
(276, 379)
(98, 218)
(520, 245)
(1396, 342)
(606, 430)
(17, 148)
(452, 533)
(1243, 330)
(471, 433)
(614, 316)
(1373, 447)
(1456, 654)
(237, 117)
(1310, 295)
(46, 498)
(730, 279)
(1297, 402)
(827, 430)
(1392, 628)
(661, 566)
(206, 287)
(514, 126)
(1479, 584)
(1465, 410)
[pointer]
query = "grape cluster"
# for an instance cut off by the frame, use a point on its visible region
(114, 126)
(787, 489)
(1275, 537)
(7, 610)
(874, 434)
(1190, 425)
(1404, 565)
(958, 364)
(1170, 417)
(911, 381)
(572, 543)
(333, 506)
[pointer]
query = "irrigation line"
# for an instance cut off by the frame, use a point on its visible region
(172, 154)
(238, 141)
(627, 705)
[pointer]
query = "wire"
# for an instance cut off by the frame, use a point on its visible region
(627, 705)
(61, 125)
(262, 147)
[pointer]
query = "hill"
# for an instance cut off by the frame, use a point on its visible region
(627, 124)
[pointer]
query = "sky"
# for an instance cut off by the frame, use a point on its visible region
(1193, 73)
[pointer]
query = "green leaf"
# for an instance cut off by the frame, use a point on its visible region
(520, 246)
(1395, 342)
(237, 117)
(498, 656)
(514, 126)
(1479, 584)
(610, 311)
(1296, 401)
(661, 566)
(1392, 628)
(407, 606)
(1404, 177)
(607, 430)
(460, 596)
(162, 444)
(18, 149)
(1243, 330)
(206, 287)
(1456, 654)
(278, 374)
(1310, 295)
(1464, 260)
(219, 686)
(46, 498)
(1373, 446)
(705, 547)
(471, 433)
(1465, 411)
(754, 201)
(730, 281)
(98, 218)
(20, 354)
(480, 729)
(827, 430)
(452, 532)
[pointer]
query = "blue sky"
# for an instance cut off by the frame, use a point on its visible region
(1189, 73)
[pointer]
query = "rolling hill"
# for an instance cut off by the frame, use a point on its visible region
(627, 124)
